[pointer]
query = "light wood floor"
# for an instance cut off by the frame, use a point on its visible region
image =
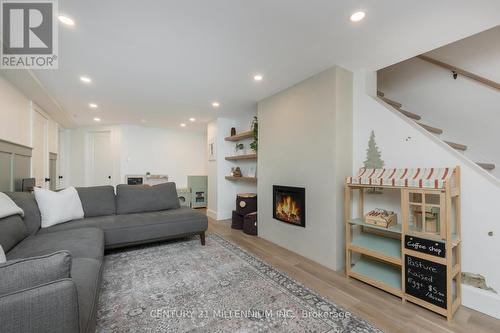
(377, 307)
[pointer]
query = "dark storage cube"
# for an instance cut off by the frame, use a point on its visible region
(246, 203)
(250, 224)
(237, 222)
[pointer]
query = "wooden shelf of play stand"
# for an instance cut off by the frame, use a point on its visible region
(242, 157)
(244, 179)
(375, 255)
(240, 136)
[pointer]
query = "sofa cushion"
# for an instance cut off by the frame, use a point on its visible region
(34, 271)
(89, 222)
(12, 231)
(26, 201)
(50, 307)
(81, 243)
(87, 273)
(121, 230)
(97, 200)
(138, 228)
(138, 199)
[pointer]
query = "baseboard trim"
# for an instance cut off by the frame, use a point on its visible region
(480, 300)
(212, 214)
(224, 215)
(218, 216)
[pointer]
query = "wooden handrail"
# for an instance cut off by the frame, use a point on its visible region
(460, 71)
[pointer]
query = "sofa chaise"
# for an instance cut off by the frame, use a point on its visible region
(51, 280)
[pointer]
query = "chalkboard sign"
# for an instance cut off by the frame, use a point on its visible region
(427, 246)
(426, 280)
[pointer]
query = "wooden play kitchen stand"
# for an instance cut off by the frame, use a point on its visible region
(418, 258)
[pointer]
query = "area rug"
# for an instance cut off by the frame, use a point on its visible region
(182, 286)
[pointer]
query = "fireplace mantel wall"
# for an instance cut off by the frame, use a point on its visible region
(305, 140)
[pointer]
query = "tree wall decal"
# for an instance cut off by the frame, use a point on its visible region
(373, 154)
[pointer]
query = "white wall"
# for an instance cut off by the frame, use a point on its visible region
(466, 110)
(176, 153)
(305, 140)
(212, 173)
(222, 192)
(139, 149)
(480, 193)
(15, 115)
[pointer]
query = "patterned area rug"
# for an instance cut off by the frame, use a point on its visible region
(185, 287)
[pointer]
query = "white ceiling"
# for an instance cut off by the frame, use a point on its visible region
(165, 61)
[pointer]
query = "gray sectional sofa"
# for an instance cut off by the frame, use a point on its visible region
(51, 280)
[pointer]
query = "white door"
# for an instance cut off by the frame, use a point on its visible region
(101, 162)
(40, 158)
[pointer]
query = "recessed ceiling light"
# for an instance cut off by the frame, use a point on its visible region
(93, 105)
(183, 125)
(215, 104)
(192, 119)
(66, 20)
(358, 16)
(258, 77)
(97, 119)
(85, 79)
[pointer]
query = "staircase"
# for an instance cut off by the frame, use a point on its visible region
(437, 131)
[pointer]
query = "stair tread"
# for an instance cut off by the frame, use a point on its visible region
(486, 166)
(410, 114)
(391, 102)
(457, 146)
(431, 129)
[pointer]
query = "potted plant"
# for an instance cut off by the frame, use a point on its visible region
(239, 149)
(254, 145)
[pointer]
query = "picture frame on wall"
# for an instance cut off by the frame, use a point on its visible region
(212, 150)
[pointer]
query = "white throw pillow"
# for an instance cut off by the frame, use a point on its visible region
(2, 255)
(58, 207)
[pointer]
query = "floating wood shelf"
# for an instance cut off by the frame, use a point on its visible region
(240, 136)
(244, 179)
(242, 157)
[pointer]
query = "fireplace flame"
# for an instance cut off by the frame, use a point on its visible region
(288, 210)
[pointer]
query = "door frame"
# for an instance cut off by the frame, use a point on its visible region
(35, 109)
(63, 158)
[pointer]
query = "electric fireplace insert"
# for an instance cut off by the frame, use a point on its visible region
(289, 204)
